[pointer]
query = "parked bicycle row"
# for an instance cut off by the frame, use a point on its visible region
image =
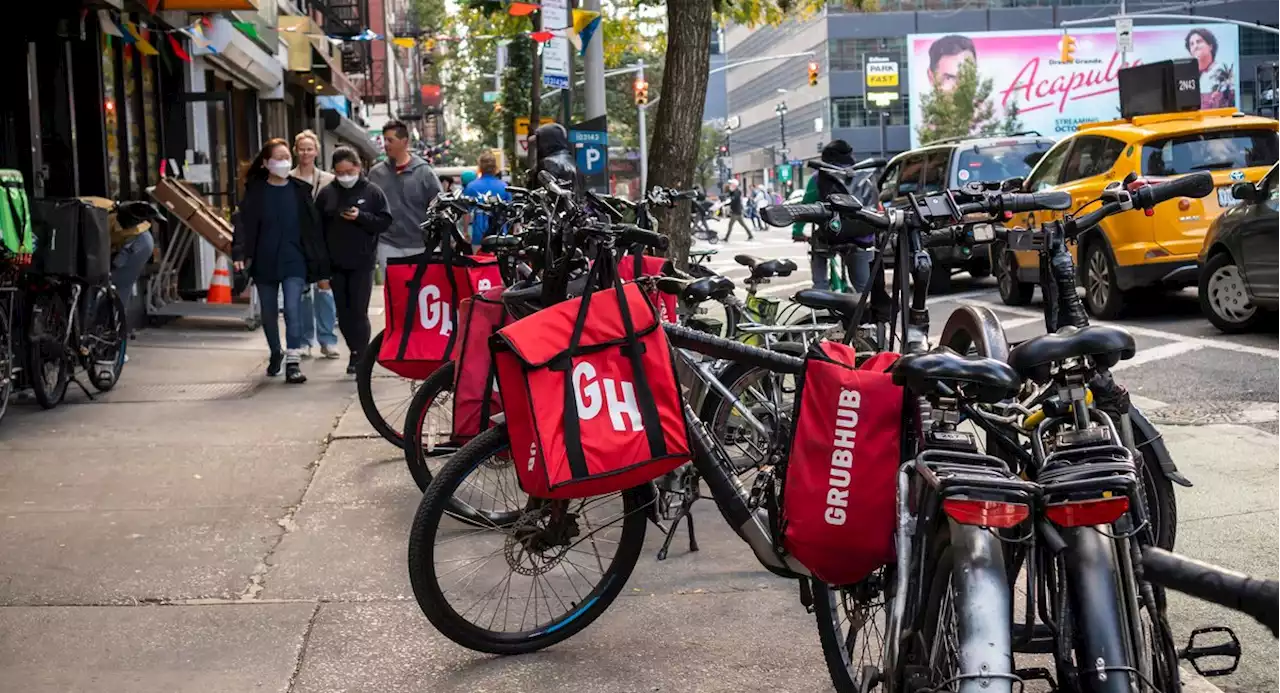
(63, 266)
(568, 388)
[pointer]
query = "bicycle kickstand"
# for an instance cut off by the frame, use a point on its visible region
(685, 513)
(82, 387)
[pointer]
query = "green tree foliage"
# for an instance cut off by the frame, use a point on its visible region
(967, 110)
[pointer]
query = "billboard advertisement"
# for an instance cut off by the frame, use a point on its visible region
(1052, 97)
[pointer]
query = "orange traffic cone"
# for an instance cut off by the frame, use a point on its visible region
(220, 285)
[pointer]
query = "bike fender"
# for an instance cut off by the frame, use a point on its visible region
(977, 326)
(983, 609)
(1098, 610)
(1151, 442)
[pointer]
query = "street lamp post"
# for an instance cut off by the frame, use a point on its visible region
(781, 110)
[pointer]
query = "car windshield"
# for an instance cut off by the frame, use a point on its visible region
(1209, 151)
(999, 161)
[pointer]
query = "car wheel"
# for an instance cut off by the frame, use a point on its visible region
(1224, 298)
(1012, 291)
(979, 269)
(1102, 296)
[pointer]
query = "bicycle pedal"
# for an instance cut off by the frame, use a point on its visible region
(1195, 651)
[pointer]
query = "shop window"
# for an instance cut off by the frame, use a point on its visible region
(111, 113)
(150, 121)
(133, 120)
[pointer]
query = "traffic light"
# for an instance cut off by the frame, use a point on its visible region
(813, 73)
(724, 150)
(642, 91)
(1068, 48)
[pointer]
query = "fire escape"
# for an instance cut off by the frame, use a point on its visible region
(410, 106)
(345, 19)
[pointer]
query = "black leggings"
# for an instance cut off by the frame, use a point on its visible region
(351, 291)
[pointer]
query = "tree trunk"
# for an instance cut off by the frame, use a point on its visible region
(677, 131)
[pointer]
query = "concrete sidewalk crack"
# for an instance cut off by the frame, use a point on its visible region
(302, 651)
(258, 578)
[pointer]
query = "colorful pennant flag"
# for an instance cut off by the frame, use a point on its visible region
(585, 24)
(542, 36)
(140, 40)
(153, 5)
(177, 49)
(247, 28)
(108, 27)
(403, 42)
(522, 9)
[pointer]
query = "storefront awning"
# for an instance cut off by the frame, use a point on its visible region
(310, 55)
(227, 48)
(347, 130)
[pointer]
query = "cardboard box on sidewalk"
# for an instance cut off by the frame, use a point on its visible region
(186, 204)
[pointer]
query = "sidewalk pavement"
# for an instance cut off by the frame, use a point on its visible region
(204, 529)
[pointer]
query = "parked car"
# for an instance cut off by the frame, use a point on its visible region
(949, 164)
(1240, 260)
(1132, 250)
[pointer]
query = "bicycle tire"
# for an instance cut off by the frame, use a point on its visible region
(116, 328)
(426, 589)
(364, 390)
(47, 396)
(7, 354)
(415, 458)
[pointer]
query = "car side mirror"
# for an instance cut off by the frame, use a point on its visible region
(1012, 184)
(1244, 191)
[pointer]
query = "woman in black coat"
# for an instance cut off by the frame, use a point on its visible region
(354, 211)
(279, 239)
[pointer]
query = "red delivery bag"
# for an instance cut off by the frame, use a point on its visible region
(839, 494)
(590, 394)
(475, 381)
(422, 294)
(632, 267)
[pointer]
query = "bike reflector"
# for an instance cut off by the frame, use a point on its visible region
(985, 513)
(475, 380)
(839, 493)
(422, 294)
(1086, 513)
(590, 394)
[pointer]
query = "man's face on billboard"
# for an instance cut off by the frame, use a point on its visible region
(945, 76)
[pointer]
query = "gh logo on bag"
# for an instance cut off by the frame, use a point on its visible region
(483, 285)
(588, 396)
(432, 312)
(846, 432)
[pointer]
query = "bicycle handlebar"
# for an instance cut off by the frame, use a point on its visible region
(721, 348)
(1191, 185)
(1252, 596)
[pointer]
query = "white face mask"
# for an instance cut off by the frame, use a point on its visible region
(347, 181)
(279, 167)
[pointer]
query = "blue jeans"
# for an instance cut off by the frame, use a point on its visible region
(268, 296)
(857, 263)
(128, 263)
(319, 312)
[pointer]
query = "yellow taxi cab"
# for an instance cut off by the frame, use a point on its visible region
(1132, 250)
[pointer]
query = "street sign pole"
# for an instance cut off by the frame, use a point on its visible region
(593, 66)
(644, 139)
(880, 73)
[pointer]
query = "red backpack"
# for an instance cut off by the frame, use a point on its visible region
(590, 393)
(839, 494)
(475, 384)
(422, 295)
(633, 266)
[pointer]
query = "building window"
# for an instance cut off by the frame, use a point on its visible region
(1258, 42)
(849, 54)
(853, 112)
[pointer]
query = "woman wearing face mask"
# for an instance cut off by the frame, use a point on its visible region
(354, 212)
(318, 312)
(279, 238)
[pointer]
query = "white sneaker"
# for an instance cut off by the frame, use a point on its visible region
(305, 352)
(329, 352)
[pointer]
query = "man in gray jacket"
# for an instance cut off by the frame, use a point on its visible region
(410, 185)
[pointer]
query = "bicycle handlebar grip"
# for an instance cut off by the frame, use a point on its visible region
(1255, 597)
(500, 242)
(1191, 185)
(939, 238)
(786, 215)
(1034, 202)
(721, 348)
(550, 183)
(632, 235)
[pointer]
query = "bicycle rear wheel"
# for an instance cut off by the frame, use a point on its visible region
(556, 581)
(49, 369)
(428, 426)
(7, 355)
(107, 338)
(851, 627)
(384, 396)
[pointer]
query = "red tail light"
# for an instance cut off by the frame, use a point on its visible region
(1099, 511)
(985, 513)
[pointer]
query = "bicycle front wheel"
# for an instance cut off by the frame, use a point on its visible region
(49, 370)
(384, 396)
(107, 339)
(553, 569)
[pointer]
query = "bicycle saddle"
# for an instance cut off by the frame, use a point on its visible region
(747, 260)
(977, 378)
(673, 285)
(1106, 345)
(710, 288)
(841, 304)
(773, 268)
